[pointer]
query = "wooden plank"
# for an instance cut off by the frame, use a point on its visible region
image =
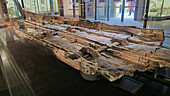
(95, 47)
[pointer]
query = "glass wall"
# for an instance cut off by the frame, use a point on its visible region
(115, 9)
(90, 9)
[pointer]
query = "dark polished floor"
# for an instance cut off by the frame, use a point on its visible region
(50, 77)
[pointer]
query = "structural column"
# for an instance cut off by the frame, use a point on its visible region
(38, 7)
(123, 10)
(146, 14)
(95, 9)
(74, 13)
(23, 9)
(19, 8)
(162, 8)
(139, 10)
(82, 13)
(84, 9)
(52, 7)
(108, 11)
(61, 8)
(79, 3)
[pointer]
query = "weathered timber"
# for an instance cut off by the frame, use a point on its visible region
(94, 47)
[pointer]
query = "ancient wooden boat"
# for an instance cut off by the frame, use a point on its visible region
(95, 47)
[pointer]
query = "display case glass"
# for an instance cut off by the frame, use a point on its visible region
(159, 8)
(36, 6)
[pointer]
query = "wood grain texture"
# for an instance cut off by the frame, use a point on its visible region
(94, 47)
